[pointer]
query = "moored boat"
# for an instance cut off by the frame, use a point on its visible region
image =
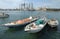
(3, 15)
(35, 26)
(53, 23)
(20, 22)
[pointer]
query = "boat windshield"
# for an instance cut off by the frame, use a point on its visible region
(39, 22)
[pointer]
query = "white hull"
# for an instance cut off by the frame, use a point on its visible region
(53, 23)
(3, 15)
(37, 28)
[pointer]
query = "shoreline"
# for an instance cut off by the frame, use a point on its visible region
(46, 9)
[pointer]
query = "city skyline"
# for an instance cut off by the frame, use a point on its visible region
(37, 3)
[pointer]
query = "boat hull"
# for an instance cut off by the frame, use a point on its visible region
(52, 26)
(34, 31)
(41, 26)
(18, 25)
(53, 23)
(4, 16)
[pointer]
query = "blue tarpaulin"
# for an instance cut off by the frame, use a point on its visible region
(39, 22)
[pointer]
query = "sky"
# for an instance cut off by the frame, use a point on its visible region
(37, 3)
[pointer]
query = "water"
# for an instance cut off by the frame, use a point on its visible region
(18, 33)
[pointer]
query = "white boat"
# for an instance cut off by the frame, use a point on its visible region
(20, 22)
(53, 23)
(3, 15)
(35, 26)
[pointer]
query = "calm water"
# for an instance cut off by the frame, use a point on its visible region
(18, 33)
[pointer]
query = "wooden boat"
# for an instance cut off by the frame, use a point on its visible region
(20, 22)
(35, 26)
(53, 23)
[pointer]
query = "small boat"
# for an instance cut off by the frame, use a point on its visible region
(35, 26)
(53, 23)
(3, 15)
(20, 22)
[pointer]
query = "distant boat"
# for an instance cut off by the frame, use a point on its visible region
(35, 26)
(53, 23)
(3, 15)
(20, 22)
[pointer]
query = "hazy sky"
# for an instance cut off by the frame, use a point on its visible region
(37, 3)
